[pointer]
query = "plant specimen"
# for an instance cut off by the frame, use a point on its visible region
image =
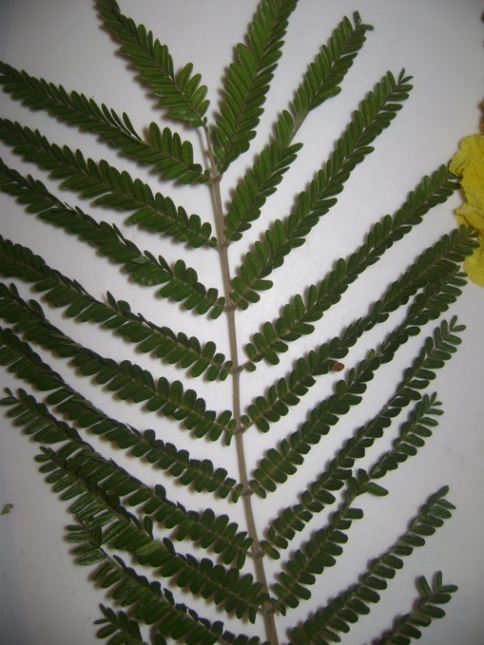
(187, 570)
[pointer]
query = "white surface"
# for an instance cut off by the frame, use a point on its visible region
(44, 598)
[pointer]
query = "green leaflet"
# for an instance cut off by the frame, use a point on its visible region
(321, 82)
(26, 364)
(248, 80)
(280, 463)
(350, 604)
(141, 543)
(165, 151)
(107, 186)
(206, 529)
(320, 492)
(113, 526)
(434, 299)
(180, 93)
(427, 609)
(128, 380)
(322, 549)
(375, 113)
(59, 291)
(299, 314)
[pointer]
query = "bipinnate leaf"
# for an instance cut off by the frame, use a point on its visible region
(206, 529)
(145, 549)
(180, 284)
(320, 492)
(59, 291)
(300, 313)
(20, 359)
(437, 263)
(128, 380)
(408, 627)
(113, 527)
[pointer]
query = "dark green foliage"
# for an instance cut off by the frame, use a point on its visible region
(248, 80)
(428, 304)
(319, 493)
(322, 549)
(138, 537)
(321, 82)
(298, 315)
(427, 609)
(108, 524)
(346, 608)
(180, 93)
(107, 186)
(206, 528)
(375, 114)
(165, 151)
(59, 291)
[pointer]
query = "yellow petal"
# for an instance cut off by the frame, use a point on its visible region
(471, 150)
(472, 183)
(471, 216)
(474, 265)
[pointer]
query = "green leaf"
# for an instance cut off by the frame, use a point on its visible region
(166, 153)
(107, 186)
(376, 113)
(289, 327)
(248, 80)
(181, 94)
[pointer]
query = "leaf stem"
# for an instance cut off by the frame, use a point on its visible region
(223, 244)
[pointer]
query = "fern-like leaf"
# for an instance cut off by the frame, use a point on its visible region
(248, 80)
(136, 536)
(434, 299)
(321, 82)
(165, 152)
(298, 315)
(375, 114)
(283, 462)
(128, 380)
(108, 186)
(120, 530)
(180, 284)
(207, 529)
(407, 627)
(152, 604)
(349, 605)
(60, 291)
(320, 492)
(181, 94)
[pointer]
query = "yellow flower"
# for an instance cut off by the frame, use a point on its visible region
(468, 163)
(471, 151)
(472, 183)
(471, 216)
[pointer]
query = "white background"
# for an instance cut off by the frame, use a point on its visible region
(44, 598)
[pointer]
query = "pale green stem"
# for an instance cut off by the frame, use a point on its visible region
(256, 551)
